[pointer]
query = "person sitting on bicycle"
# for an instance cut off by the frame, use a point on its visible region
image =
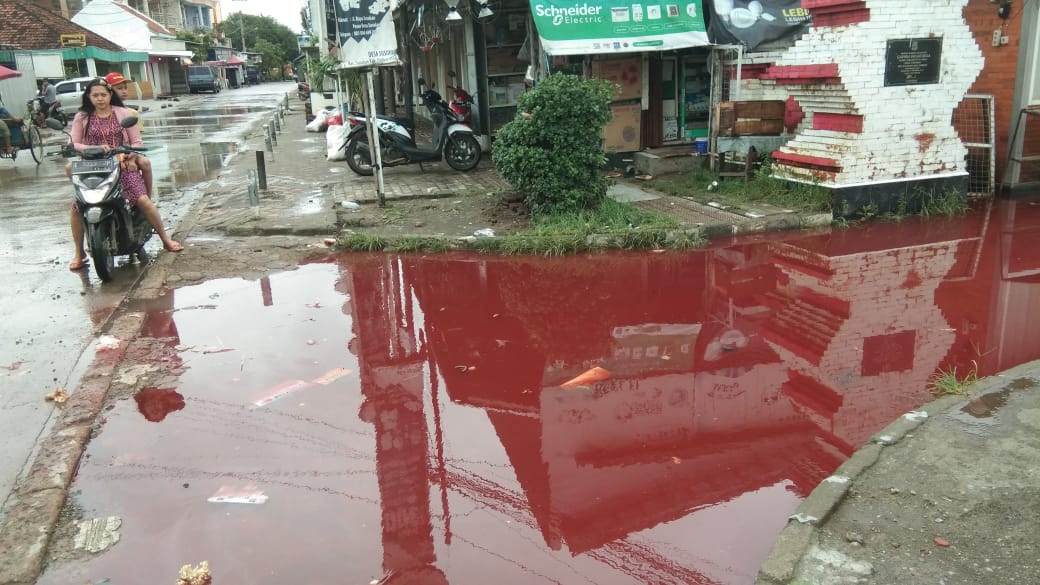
(121, 85)
(10, 129)
(97, 124)
(50, 97)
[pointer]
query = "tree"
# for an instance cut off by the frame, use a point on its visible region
(553, 152)
(199, 41)
(255, 28)
(305, 22)
(272, 54)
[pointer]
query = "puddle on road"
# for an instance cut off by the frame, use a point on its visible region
(987, 405)
(608, 419)
(184, 166)
(314, 203)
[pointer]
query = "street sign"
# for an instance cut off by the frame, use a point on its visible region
(366, 34)
(77, 40)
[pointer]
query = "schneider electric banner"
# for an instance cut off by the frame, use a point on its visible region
(366, 33)
(616, 26)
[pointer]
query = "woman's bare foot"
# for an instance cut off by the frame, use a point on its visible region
(172, 246)
(78, 264)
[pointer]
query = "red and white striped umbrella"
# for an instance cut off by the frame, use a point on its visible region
(6, 73)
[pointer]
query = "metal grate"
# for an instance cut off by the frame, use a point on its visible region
(974, 120)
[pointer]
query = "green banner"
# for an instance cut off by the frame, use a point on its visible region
(617, 26)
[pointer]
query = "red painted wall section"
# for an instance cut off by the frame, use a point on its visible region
(751, 71)
(807, 162)
(838, 122)
(998, 74)
(804, 74)
(837, 12)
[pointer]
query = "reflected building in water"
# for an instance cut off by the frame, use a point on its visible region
(729, 371)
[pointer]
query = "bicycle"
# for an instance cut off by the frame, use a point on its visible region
(24, 136)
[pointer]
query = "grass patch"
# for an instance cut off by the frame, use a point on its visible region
(948, 203)
(372, 243)
(699, 185)
(946, 382)
(418, 244)
(392, 215)
(613, 225)
(610, 216)
(364, 243)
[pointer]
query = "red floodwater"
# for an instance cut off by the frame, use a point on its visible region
(603, 419)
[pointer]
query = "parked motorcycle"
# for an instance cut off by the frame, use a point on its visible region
(452, 140)
(113, 228)
(462, 104)
(303, 90)
(35, 108)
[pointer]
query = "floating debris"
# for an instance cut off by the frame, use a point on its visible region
(195, 575)
(232, 495)
(58, 396)
(590, 376)
(97, 534)
(331, 375)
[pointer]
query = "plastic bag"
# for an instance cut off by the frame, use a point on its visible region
(335, 119)
(334, 140)
(320, 121)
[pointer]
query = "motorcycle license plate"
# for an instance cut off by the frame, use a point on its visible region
(81, 167)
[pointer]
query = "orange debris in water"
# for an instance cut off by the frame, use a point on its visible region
(589, 376)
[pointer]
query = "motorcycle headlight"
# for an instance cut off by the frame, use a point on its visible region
(91, 191)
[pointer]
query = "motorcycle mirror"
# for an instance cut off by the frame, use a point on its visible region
(54, 124)
(127, 122)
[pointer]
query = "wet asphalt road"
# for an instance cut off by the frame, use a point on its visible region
(49, 317)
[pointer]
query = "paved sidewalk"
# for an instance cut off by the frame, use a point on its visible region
(304, 189)
(946, 495)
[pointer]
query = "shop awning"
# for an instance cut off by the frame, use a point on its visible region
(617, 26)
(171, 53)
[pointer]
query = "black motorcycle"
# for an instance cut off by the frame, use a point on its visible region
(113, 227)
(35, 107)
(453, 140)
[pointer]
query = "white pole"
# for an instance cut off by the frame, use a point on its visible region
(373, 137)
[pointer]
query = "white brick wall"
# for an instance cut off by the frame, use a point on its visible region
(907, 130)
(877, 306)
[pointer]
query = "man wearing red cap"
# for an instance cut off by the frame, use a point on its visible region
(121, 86)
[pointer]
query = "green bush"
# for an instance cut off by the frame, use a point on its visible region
(555, 155)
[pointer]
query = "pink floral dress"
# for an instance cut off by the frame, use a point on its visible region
(102, 131)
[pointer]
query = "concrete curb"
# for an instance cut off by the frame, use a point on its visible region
(800, 533)
(40, 496)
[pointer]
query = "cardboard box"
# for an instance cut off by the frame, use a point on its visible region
(752, 118)
(628, 73)
(622, 133)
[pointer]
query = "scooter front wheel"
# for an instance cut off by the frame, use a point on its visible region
(462, 151)
(357, 156)
(101, 249)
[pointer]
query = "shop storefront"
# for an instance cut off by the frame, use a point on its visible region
(657, 54)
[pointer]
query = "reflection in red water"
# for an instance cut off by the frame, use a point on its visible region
(156, 403)
(739, 377)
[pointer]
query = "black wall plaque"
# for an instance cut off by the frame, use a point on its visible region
(913, 61)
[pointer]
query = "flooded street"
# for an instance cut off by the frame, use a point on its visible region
(623, 418)
(50, 315)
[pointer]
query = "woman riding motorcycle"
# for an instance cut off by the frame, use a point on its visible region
(97, 124)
